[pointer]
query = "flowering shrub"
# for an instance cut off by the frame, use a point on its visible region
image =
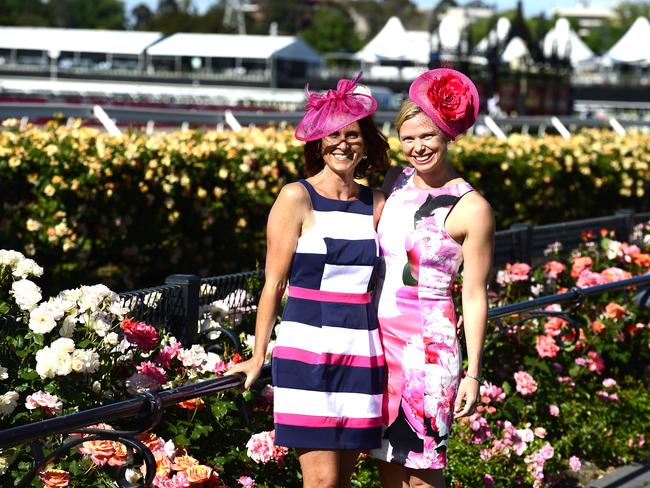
(557, 397)
(81, 349)
(123, 210)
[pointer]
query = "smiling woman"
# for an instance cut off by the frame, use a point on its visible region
(328, 364)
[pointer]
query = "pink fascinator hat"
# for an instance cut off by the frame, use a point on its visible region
(333, 110)
(447, 96)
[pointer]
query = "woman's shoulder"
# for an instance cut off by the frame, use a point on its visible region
(474, 209)
(294, 193)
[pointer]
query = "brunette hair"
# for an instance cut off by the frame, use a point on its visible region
(376, 151)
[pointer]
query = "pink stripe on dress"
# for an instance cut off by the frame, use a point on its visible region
(320, 421)
(283, 352)
(329, 296)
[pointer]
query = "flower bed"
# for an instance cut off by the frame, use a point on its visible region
(125, 210)
(558, 399)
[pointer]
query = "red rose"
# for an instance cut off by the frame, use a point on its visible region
(450, 97)
(142, 335)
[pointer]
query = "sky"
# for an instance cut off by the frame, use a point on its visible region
(531, 7)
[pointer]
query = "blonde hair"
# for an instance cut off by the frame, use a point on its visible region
(407, 110)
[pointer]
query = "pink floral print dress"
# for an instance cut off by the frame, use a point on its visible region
(417, 322)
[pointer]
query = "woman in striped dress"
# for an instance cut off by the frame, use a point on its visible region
(328, 365)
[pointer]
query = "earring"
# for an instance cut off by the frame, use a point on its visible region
(365, 156)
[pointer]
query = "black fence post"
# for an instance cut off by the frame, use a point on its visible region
(523, 242)
(186, 325)
(627, 219)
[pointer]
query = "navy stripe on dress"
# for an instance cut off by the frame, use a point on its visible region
(324, 204)
(330, 314)
(290, 373)
(342, 437)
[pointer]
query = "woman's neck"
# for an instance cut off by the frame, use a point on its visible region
(435, 179)
(335, 185)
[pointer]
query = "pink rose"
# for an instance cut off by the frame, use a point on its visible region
(588, 278)
(553, 269)
(574, 463)
(554, 410)
(612, 274)
(140, 334)
(609, 382)
(519, 271)
(152, 371)
(55, 478)
(579, 264)
(546, 347)
(167, 353)
(450, 97)
(48, 404)
(246, 481)
(260, 447)
(525, 383)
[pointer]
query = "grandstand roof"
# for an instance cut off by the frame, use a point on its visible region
(235, 46)
(76, 40)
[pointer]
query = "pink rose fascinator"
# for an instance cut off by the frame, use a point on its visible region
(333, 110)
(448, 97)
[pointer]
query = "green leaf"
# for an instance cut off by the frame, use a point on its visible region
(28, 374)
(4, 308)
(219, 409)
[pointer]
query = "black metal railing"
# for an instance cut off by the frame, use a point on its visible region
(148, 409)
(526, 243)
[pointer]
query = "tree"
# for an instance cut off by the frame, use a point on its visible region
(332, 30)
(23, 12)
(88, 14)
(142, 16)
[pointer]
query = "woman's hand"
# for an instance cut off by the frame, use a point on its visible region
(467, 398)
(251, 368)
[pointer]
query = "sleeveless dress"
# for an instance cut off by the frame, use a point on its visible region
(417, 321)
(328, 365)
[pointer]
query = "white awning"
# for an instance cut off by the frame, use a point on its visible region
(235, 46)
(562, 40)
(634, 46)
(395, 43)
(515, 50)
(76, 40)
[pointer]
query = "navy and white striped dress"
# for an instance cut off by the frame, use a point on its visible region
(328, 364)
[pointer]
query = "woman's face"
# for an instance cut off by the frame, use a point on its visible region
(424, 145)
(343, 150)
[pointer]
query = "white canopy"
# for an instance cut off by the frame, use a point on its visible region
(393, 42)
(566, 43)
(76, 40)
(515, 50)
(235, 46)
(634, 46)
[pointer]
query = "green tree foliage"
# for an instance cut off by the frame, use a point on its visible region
(89, 14)
(332, 30)
(23, 12)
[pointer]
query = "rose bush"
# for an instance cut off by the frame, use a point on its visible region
(81, 349)
(125, 210)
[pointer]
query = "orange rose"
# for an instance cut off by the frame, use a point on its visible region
(55, 478)
(152, 441)
(642, 260)
(99, 451)
(163, 465)
(579, 264)
(597, 326)
(614, 311)
(119, 456)
(193, 404)
(198, 473)
(183, 463)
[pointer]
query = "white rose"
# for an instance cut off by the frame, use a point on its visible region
(45, 366)
(4, 464)
(26, 294)
(100, 323)
(10, 258)
(211, 362)
(118, 308)
(68, 327)
(112, 339)
(63, 344)
(85, 361)
(27, 267)
(8, 402)
(132, 476)
(97, 387)
(3, 373)
(40, 321)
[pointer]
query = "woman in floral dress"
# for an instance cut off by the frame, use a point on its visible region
(432, 221)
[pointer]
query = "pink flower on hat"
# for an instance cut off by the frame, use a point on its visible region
(449, 97)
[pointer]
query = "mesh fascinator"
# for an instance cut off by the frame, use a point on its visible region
(447, 96)
(333, 110)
